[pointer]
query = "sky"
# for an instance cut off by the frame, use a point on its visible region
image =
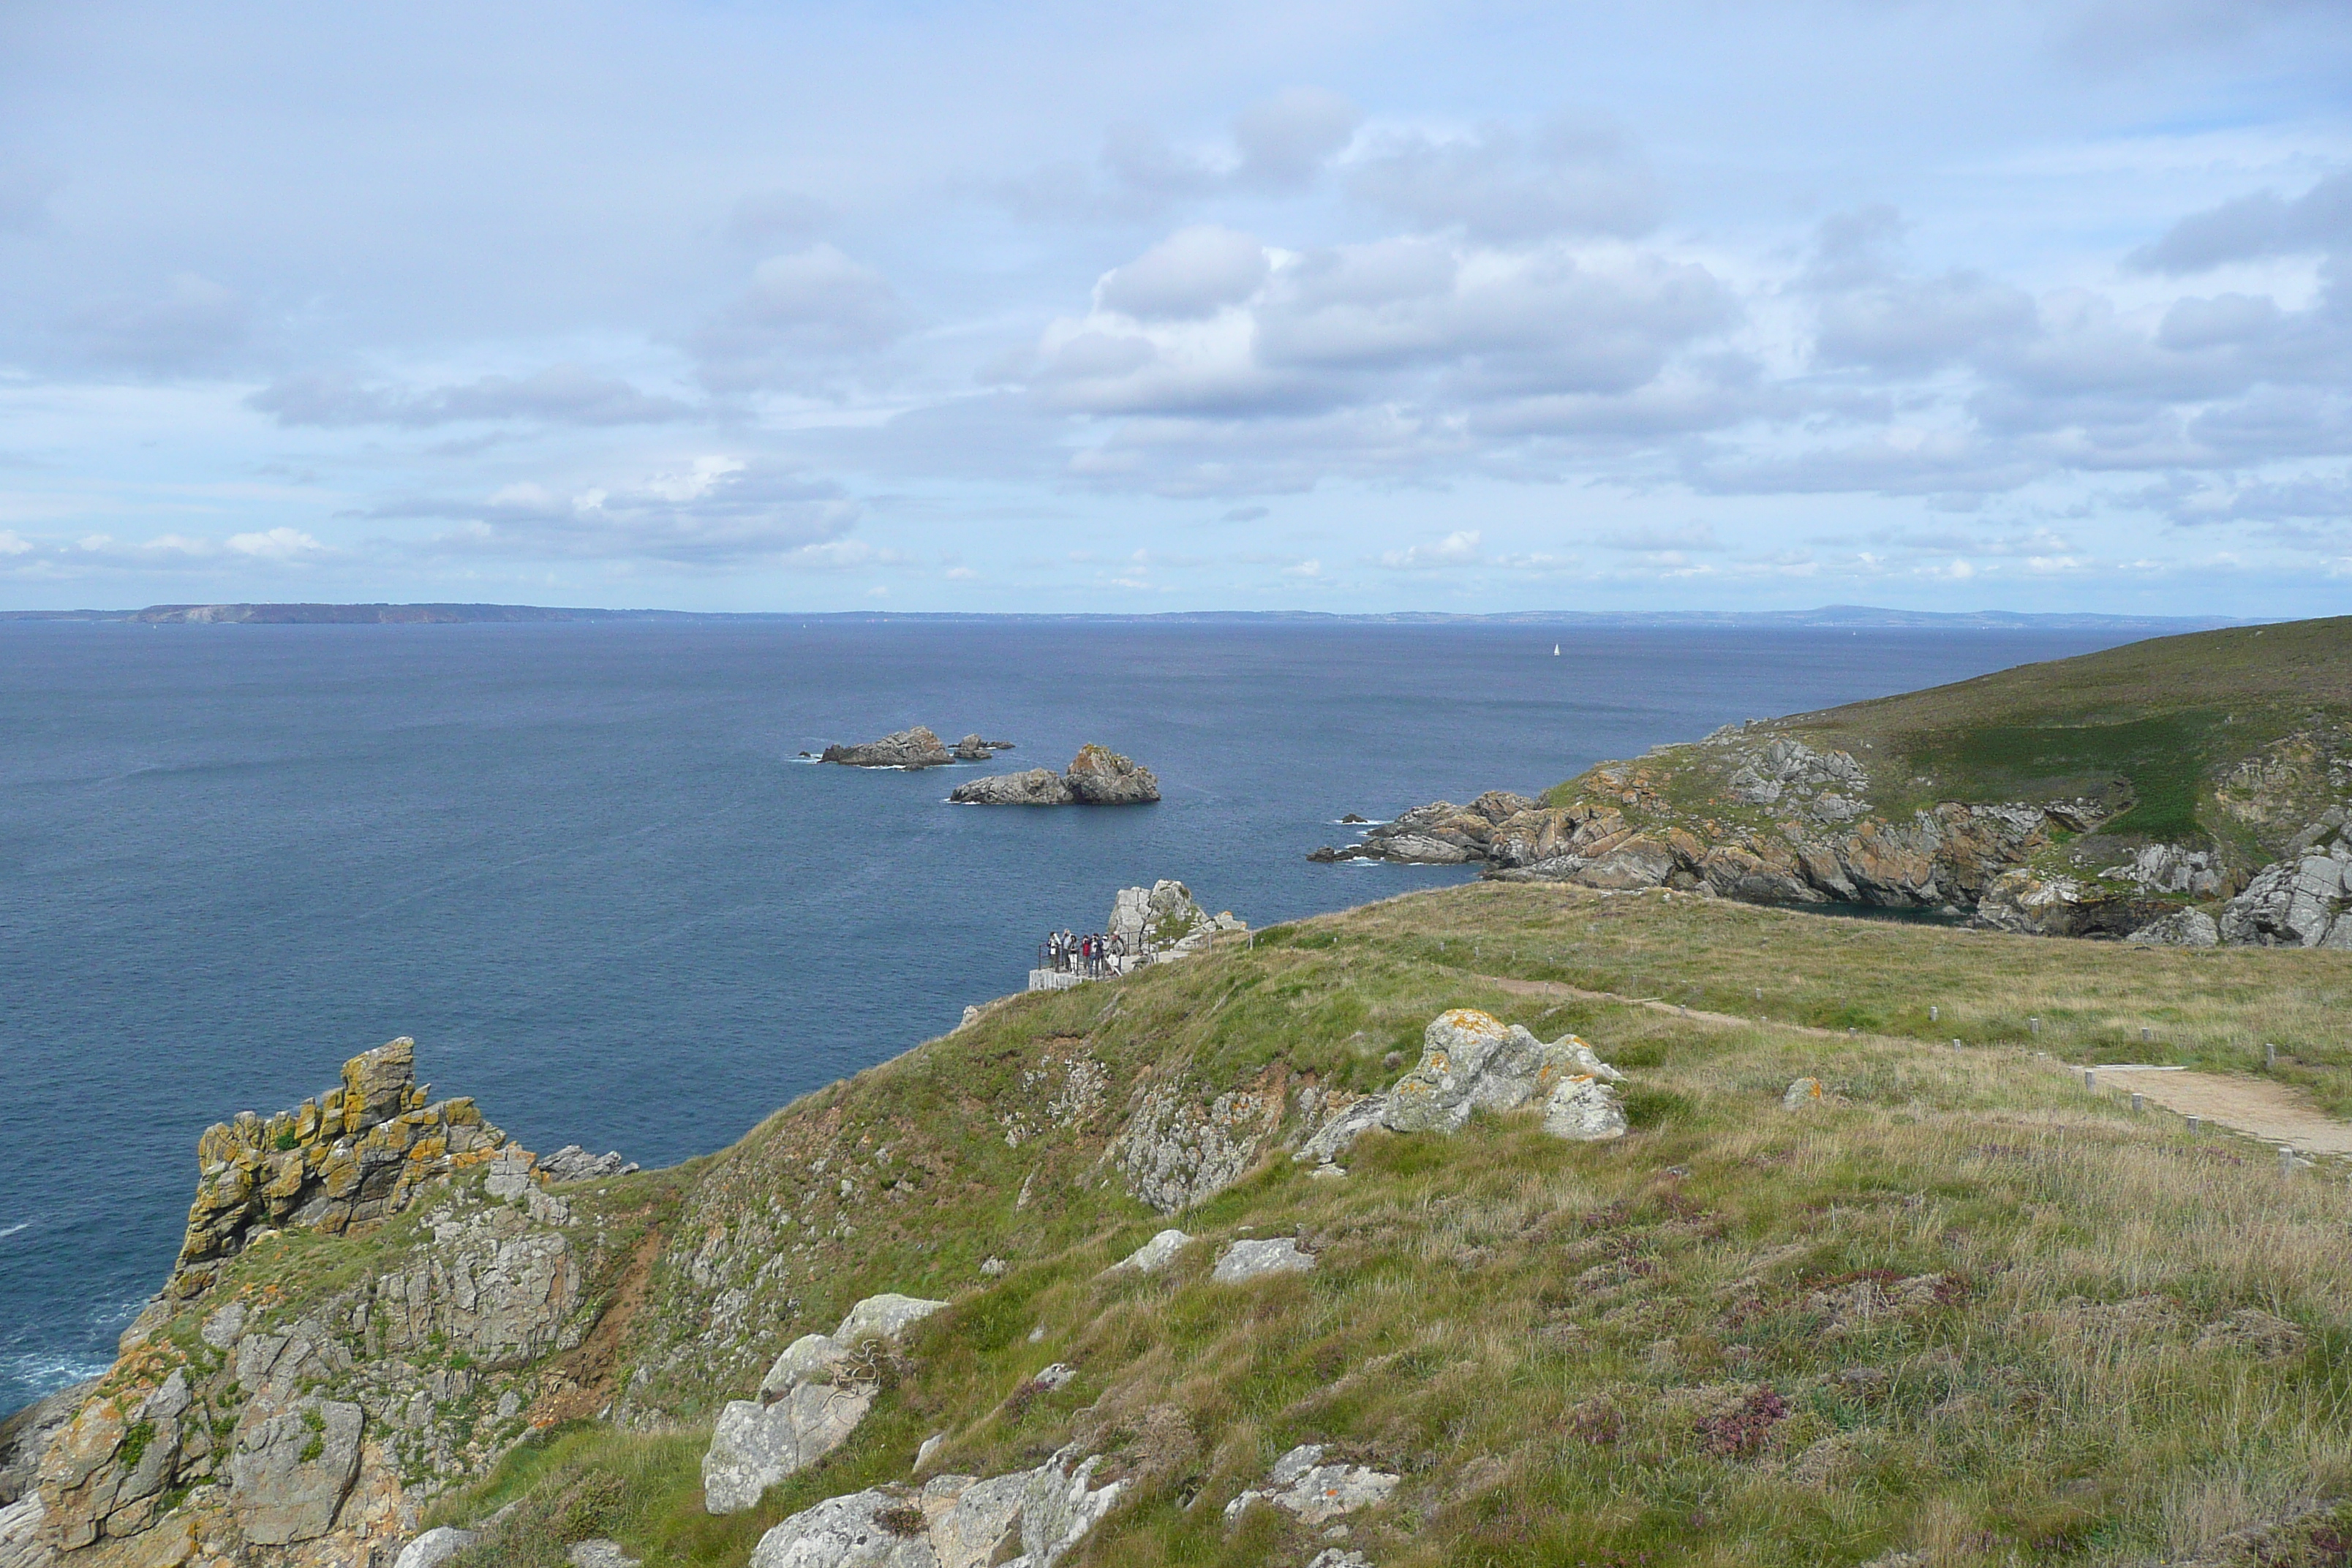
(1278, 305)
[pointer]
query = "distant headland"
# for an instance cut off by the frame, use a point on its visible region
(1857, 618)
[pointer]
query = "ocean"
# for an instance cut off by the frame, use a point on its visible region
(584, 867)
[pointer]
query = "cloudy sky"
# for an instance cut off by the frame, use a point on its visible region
(1280, 304)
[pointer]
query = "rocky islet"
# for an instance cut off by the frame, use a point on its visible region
(1095, 776)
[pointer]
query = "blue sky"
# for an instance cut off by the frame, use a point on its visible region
(1345, 306)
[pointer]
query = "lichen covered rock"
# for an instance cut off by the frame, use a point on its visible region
(359, 1153)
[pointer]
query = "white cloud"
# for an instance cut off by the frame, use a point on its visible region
(1459, 547)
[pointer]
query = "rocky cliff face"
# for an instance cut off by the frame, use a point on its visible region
(377, 1296)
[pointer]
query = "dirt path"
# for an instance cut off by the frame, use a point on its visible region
(2272, 1113)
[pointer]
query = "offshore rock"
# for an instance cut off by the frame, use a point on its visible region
(972, 749)
(1037, 786)
(914, 748)
(1095, 776)
(358, 1152)
(1099, 777)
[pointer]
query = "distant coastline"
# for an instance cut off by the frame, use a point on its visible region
(1858, 617)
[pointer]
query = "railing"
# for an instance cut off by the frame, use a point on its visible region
(1109, 956)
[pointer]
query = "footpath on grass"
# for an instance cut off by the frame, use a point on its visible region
(2274, 1112)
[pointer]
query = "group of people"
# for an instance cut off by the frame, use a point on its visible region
(1089, 955)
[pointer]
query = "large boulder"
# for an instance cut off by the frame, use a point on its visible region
(1247, 1260)
(872, 1528)
(2301, 902)
(1036, 786)
(1099, 777)
(289, 1473)
(756, 1445)
(1472, 1061)
(883, 1317)
(914, 748)
(435, 1547)
(813, 1398)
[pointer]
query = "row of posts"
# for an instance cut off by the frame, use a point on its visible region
(2289, 1161)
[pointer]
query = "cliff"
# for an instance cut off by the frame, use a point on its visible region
(1487, 1225)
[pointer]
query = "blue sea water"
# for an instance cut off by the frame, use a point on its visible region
(583, 867)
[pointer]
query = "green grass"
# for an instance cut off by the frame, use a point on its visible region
(2161, 727)
(1626, 1353)
(2157, 761)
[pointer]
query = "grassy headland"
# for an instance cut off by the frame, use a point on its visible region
(1961, 1307)
(2164, 725)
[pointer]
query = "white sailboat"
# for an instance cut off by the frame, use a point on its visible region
(1555, 650)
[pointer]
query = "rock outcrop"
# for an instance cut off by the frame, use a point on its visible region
(2302, 900)
(1301, 1484)
(1163, 919)
(574, 1164)
(1095, 776)
(1154, 1255)
(813, 1398)
(1246, 1261)
(2183, 928)
(1031, 1518)
(290, 1424)
(972, 749)
(914, 748)
(359, 1153)
(1472, 1061)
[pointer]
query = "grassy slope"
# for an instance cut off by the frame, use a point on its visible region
(2168, 714)
(1537, 1333)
